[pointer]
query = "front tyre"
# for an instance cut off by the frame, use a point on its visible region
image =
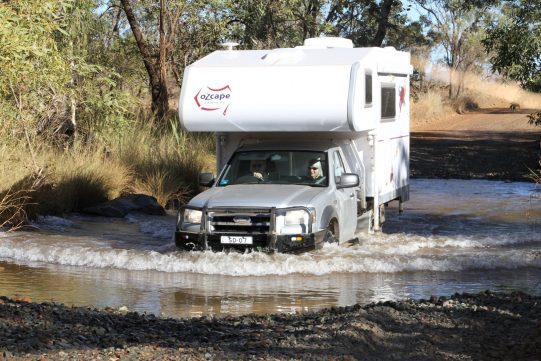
(332, 234)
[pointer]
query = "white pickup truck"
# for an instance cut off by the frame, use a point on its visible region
(311, 142)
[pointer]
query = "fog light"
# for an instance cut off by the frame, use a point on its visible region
(296, 238)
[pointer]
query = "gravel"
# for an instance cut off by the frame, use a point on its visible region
(484, 326)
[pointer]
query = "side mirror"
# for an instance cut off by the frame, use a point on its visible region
(206, 179)
(347, 180)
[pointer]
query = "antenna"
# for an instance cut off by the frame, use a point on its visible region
(229, 45)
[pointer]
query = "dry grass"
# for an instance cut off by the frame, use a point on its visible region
(433, 102)
(17, 202)
(536, 174)
(13, 205)
(164, 164)
(430, 106)
(464, 103)
(79, 179)
(489, 92)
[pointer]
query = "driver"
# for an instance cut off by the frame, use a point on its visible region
(258, 168)
(315, 171)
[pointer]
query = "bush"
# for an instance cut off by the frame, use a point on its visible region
(463, 104)
(429, 105)
(534, 119)
(163, 163)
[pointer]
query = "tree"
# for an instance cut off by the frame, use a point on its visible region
(32, 67)
(308, 14)
(372, 23)
(156, 69)
(515, 43)
(456, 25)
(52, 84)
(262, 24)
(385, 12)
(200, 28)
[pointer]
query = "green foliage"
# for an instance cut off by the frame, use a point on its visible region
(358, 21)
(515, 43)
(47, 78)
(260, 24)
(104, 108)
(201, 28)
(29, 56)
(31, 65)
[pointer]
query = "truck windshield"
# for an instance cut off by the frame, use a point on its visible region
(277, 167)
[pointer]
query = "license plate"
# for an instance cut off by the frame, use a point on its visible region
(236, 240)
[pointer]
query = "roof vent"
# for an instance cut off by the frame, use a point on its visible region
(229, 45)
(328, 42)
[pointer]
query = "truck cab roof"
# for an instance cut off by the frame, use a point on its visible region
(321, 146)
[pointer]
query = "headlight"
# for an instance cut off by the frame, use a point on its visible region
(295, 221)
(297, 217)
(192, 216)
(189, 220)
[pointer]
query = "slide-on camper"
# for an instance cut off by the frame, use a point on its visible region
(311, 143)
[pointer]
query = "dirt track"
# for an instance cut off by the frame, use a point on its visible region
(489, 144)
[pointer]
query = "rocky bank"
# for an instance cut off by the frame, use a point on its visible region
(485, 326)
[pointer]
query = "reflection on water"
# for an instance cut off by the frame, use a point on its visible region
(455, 236)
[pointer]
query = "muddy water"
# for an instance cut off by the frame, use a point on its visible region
(455, 236)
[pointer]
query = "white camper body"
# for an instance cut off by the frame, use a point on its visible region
(322, 95)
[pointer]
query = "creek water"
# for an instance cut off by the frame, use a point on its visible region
(454, 236)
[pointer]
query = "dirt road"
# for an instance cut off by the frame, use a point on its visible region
(489, 144)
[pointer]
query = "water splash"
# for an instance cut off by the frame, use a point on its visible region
(451, 225)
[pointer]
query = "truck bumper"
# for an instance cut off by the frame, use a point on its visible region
(294, 243)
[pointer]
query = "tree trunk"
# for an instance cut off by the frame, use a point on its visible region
(313, 11)
(163, 96)
(156, 72)
(386, 6)
(73, 103)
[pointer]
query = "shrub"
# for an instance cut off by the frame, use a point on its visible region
(429, 105)
(161, 162)
(165, 162)
(534, 119)
(463, 104)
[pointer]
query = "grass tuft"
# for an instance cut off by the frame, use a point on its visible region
(17, 203)
(464, 103)
(163, 163)
(429, 105)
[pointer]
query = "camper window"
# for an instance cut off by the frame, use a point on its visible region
(388, 101)
(367, 89)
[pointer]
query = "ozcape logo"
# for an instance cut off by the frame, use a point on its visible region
(212, 99)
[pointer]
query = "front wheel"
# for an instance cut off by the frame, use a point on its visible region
(332, 233)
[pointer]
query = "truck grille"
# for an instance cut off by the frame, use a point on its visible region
(246, 221)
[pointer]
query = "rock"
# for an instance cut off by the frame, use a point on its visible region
(121, 206)
(2, 269)
(22, 299)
